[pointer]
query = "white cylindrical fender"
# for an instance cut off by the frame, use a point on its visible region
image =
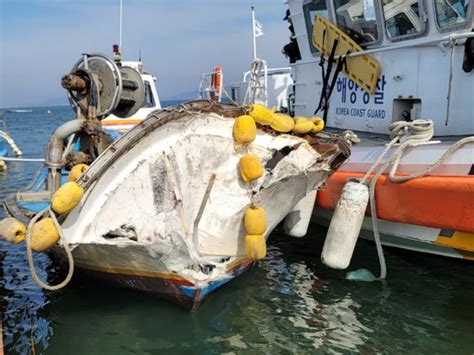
(297, 222)
(345, 226)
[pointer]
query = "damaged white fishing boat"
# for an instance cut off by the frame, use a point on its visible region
(162, 208)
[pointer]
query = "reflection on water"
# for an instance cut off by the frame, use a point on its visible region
(287, 303)
(22, 300)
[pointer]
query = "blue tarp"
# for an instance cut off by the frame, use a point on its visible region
(3, 148)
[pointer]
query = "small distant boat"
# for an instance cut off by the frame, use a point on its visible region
(20, 110)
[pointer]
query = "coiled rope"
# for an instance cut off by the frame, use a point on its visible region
(29, 252)
(410, 134)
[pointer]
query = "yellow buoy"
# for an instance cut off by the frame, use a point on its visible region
(255, 220)
(43, 235)
(261, 114)
(255, 246)
(318, 124)
(245, 129)
(282, 123)
(250, 167)
(77, 171)
(303, 125)
(67, 197)
(12, 230)
(3, 166)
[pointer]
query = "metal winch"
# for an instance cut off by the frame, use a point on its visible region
(99, 86)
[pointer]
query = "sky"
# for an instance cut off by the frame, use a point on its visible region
(40, 40)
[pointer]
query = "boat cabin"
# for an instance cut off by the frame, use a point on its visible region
(425, 48)
(151, 103)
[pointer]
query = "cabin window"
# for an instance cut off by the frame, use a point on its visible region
(402, 18)
(357, 18)
(450, 13)
(149, 100)
(311, 9)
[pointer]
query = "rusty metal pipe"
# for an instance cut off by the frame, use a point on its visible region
(74, 82)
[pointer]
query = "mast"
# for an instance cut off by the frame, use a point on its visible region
(120, 27)
(253, 34)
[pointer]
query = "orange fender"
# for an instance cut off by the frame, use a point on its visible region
(445, 202)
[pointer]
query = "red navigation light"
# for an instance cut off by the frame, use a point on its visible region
(115, 48)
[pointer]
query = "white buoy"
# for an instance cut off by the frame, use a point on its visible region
(297, 222)
(12, 230)
(345, 226)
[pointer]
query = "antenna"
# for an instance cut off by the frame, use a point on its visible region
(140, 55)
(120, 29)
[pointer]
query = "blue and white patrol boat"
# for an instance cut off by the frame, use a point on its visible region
(378, 68)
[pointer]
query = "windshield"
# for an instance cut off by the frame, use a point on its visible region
(451, 12)
(402, 18)
(357, 18)
(149, 100)
(311, 9)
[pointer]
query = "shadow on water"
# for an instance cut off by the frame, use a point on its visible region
(287, 303)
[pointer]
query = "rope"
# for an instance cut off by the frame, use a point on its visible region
(410, 134)
(254, 83)
(224, 91)
(452, 149)
(11, 142)
(30, 252)
(418, 131)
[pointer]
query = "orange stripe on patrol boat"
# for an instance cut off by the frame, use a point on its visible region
(445, 202)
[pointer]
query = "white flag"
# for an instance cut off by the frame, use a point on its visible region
(258, 29)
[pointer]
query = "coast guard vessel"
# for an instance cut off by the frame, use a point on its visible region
(425, 52)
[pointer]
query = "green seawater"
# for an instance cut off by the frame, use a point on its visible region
(289, 303)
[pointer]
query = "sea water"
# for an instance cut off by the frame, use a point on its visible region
(288, 303)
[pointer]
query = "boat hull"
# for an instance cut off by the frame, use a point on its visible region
(163, 206)
(136, 269)
(433, 214)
